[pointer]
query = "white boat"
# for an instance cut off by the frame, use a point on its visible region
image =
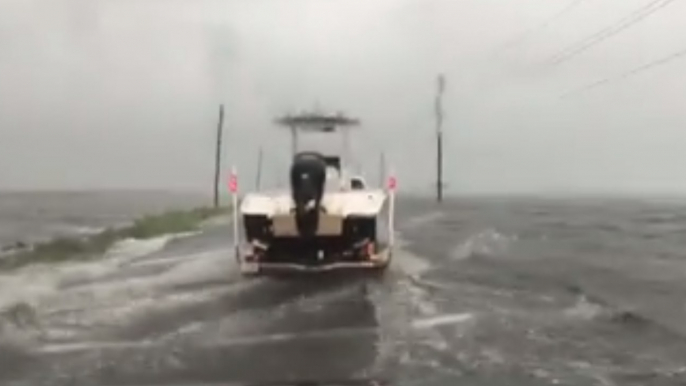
(327, 220)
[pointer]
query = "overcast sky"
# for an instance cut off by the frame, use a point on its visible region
(124, 93)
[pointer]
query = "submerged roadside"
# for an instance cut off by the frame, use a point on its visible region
(90, 246)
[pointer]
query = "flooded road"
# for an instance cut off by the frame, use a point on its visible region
(483, 293)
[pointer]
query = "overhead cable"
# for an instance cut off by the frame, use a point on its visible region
(645, 67)
(606, 33)
(521, 38)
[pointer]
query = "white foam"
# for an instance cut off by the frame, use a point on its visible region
(114, 302)
(41, 286)
(24, 288)
(199, 267)
(584, 309)
(129, 249)
(84, 346)
(212, 341)
(423, 323)
(488, 242)
(90, 230)
(409, 263)
(189, 269)
(118, 301)
(441, 320)
(419, 298)
(256, 339)
(122, 252)
(422, 219)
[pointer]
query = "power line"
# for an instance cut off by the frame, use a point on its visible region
(538, 28)
(606, 33)
(645, 67)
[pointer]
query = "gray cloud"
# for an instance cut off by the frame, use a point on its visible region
(116, 93)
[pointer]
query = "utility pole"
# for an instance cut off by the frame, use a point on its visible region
(218, 155)
(294, 141)
(439, 138)
(258, 181)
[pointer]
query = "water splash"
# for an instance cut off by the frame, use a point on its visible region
(424, 219)
(486, 243)
(584, 309)
(441, 320)
(36, 295)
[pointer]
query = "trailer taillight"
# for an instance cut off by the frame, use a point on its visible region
(370, 249)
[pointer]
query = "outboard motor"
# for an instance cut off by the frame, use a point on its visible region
(308, 176)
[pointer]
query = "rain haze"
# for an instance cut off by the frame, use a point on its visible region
(123, 94)
(552, 260)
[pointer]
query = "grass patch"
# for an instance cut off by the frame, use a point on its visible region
(87, 247)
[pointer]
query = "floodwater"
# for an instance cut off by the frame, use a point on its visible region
(480, 292)
(28, 217)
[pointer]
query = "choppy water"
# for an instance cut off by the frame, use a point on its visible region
(481, 292)
(31, 216)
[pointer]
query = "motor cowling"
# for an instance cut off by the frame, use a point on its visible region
(308, 176)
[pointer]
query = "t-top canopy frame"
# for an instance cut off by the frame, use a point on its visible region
(318, 122)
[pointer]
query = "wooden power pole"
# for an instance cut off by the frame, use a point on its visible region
(218, 156)
(439, 138)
